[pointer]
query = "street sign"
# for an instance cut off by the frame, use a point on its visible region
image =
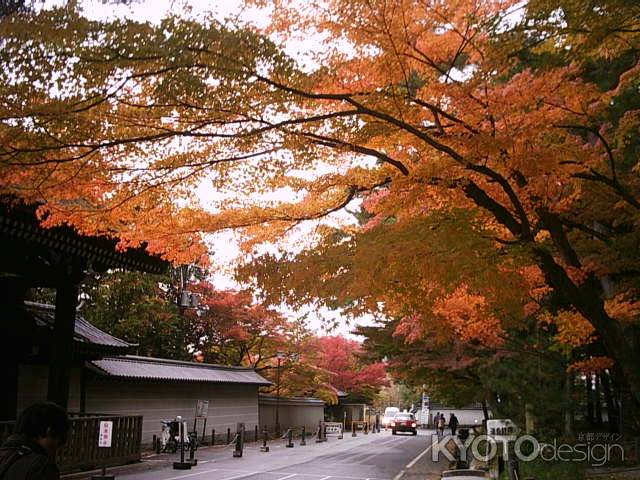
(202, 408)
(105, 434)
(424, 411)
(333, 428)
(502, 430)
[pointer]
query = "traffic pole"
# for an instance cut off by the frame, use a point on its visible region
(181, 465)
(237, 452)
(290, 438)
(192, 449)
(303, 442)
(265, 434)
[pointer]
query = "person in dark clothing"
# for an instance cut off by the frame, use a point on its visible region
(29, 454)
(453, 423)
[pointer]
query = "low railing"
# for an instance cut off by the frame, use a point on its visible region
(81, 451)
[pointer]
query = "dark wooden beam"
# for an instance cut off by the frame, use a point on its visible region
(62, 339)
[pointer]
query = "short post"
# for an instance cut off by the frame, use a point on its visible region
(290, 438)
(344, 421)
(341, 434)
(181, 465)
(204, 431)
(237, 452)
(303, 442)
(153, 443)
(366, 428)
(213, 437)
(353, 429)
(324, 432)
(192, 449)
(319, 436)
(228, 436)
(255, 433)
(265, 435)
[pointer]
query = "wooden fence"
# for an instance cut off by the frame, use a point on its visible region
(81, 451)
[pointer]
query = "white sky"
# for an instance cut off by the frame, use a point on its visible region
(224, 246)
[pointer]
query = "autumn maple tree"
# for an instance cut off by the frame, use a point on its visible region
(520, 121)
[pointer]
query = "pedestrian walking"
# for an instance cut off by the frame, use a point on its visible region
(441, 425)
(29, 453)
(436, 417)
(453, 423)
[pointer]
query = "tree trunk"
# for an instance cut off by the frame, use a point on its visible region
(612, 406)
(569, 430)
(620, 340)
(588, 383)
(597, 401)
(529, 418)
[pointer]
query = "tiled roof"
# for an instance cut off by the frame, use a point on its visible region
(147, 368)
(19, 224)
(84, 332)
(268, 399)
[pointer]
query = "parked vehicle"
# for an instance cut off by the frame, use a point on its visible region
(170, 436)
(465, 474)
(389, 413)
(404, 422)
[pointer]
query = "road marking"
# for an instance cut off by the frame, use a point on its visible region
(412, 463)
(241, 476)
(193, 474)
(326, 478)
(288, 476)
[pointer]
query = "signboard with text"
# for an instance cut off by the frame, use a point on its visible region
(202, 408)
(105, 434)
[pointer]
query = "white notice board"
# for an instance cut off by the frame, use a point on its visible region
(105, 434)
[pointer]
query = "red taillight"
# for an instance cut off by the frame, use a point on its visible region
(413, 425)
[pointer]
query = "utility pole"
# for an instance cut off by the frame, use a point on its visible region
(279, 356)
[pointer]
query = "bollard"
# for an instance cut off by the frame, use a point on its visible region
(255, 433)
(341, 434)
(265, 434)
(237, 452)
(319, 436)
(366, 428)
(289, 438)
(153, 443)
(213, 437)
(303, 442)
(228, 436)
(353, 429)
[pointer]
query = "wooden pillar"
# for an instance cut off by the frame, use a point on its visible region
(61, 359)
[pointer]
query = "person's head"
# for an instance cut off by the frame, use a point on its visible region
(45, 423)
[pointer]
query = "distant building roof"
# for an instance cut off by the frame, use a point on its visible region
(439, 406)
(147, 368)
(271, 399)
(85, 334)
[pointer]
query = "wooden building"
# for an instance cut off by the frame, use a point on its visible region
(111, 382)
(58, 258)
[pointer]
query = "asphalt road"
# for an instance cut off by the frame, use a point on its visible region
(366, 457)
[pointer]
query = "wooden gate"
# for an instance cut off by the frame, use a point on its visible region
(81, 451)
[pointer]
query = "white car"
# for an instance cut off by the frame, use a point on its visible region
(389, 413)
(469, 474)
